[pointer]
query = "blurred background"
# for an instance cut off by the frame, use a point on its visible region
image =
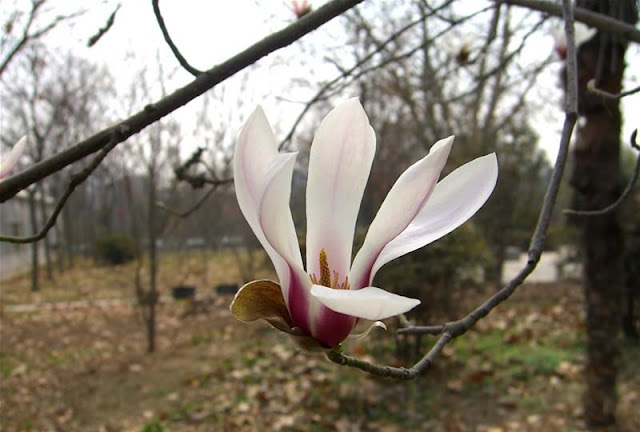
(118, 319)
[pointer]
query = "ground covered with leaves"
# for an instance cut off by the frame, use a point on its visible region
(70, 362)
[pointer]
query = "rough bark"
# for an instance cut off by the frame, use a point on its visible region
(631, 290)
(597, 182)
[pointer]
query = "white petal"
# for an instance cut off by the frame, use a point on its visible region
(256, 150)
(339, 166)
(403, 202)
(369, 303)
(365, 333)
(582, 33)
(10, 159)
(275, 215)
(454, 200)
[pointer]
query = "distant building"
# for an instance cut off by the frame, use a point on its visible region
(15, 221)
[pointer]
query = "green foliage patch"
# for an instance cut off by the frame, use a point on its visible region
(116, 249)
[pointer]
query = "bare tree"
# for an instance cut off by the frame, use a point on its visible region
(52, 111)
(22, 28)
(152, 156)
(597, 182)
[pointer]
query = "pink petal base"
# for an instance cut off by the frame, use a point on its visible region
(298, 303)
(332, 327)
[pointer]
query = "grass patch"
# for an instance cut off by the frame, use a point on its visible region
(519, 360)
(6, 364)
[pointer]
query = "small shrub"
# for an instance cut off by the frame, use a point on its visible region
(116, 249)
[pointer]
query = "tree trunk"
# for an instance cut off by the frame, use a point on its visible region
(601, 242)
(632, 285)
(500, 256)
(60, 256)
(597, 182)
(33, 216)
(42, 206)
(152, 296)
(67, 229)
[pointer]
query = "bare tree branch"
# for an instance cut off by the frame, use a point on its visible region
(591, 86)
(320, 94)
(597, 20)
(352, 73)
(198, 181)
(154, 112)
(185, 213)
(452, 330)
(174, 49)
(74, 182)
(625, 193)
(26, 36)
(102, 31)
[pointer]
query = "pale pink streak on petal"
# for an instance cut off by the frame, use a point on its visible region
(369, 303)
(339, 166)
(277, 224)
(454, 200)
(256, 149)
(274, 212)
(403, 202)
(10, 159)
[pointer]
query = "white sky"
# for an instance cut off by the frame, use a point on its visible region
(208, 32)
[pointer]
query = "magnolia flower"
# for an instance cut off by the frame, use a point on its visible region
(319, 306)
(9, 160)
(582, 33)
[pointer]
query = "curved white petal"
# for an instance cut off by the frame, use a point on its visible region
(274, 212)
(369, 303)
(403, 202)
(365, 333)
(10, 159)
(454, 200)
(256, 149)
(339, 166)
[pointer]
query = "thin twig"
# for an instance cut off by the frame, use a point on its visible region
(196, 206)
(344, 74)
(403, 321)
(167, 38)
(591, 86)
(74, 182)
(27, 37)
(452, 330)
(625, 193)
(9, 187)
(103, 30)
(323, 92)
(199, 180)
